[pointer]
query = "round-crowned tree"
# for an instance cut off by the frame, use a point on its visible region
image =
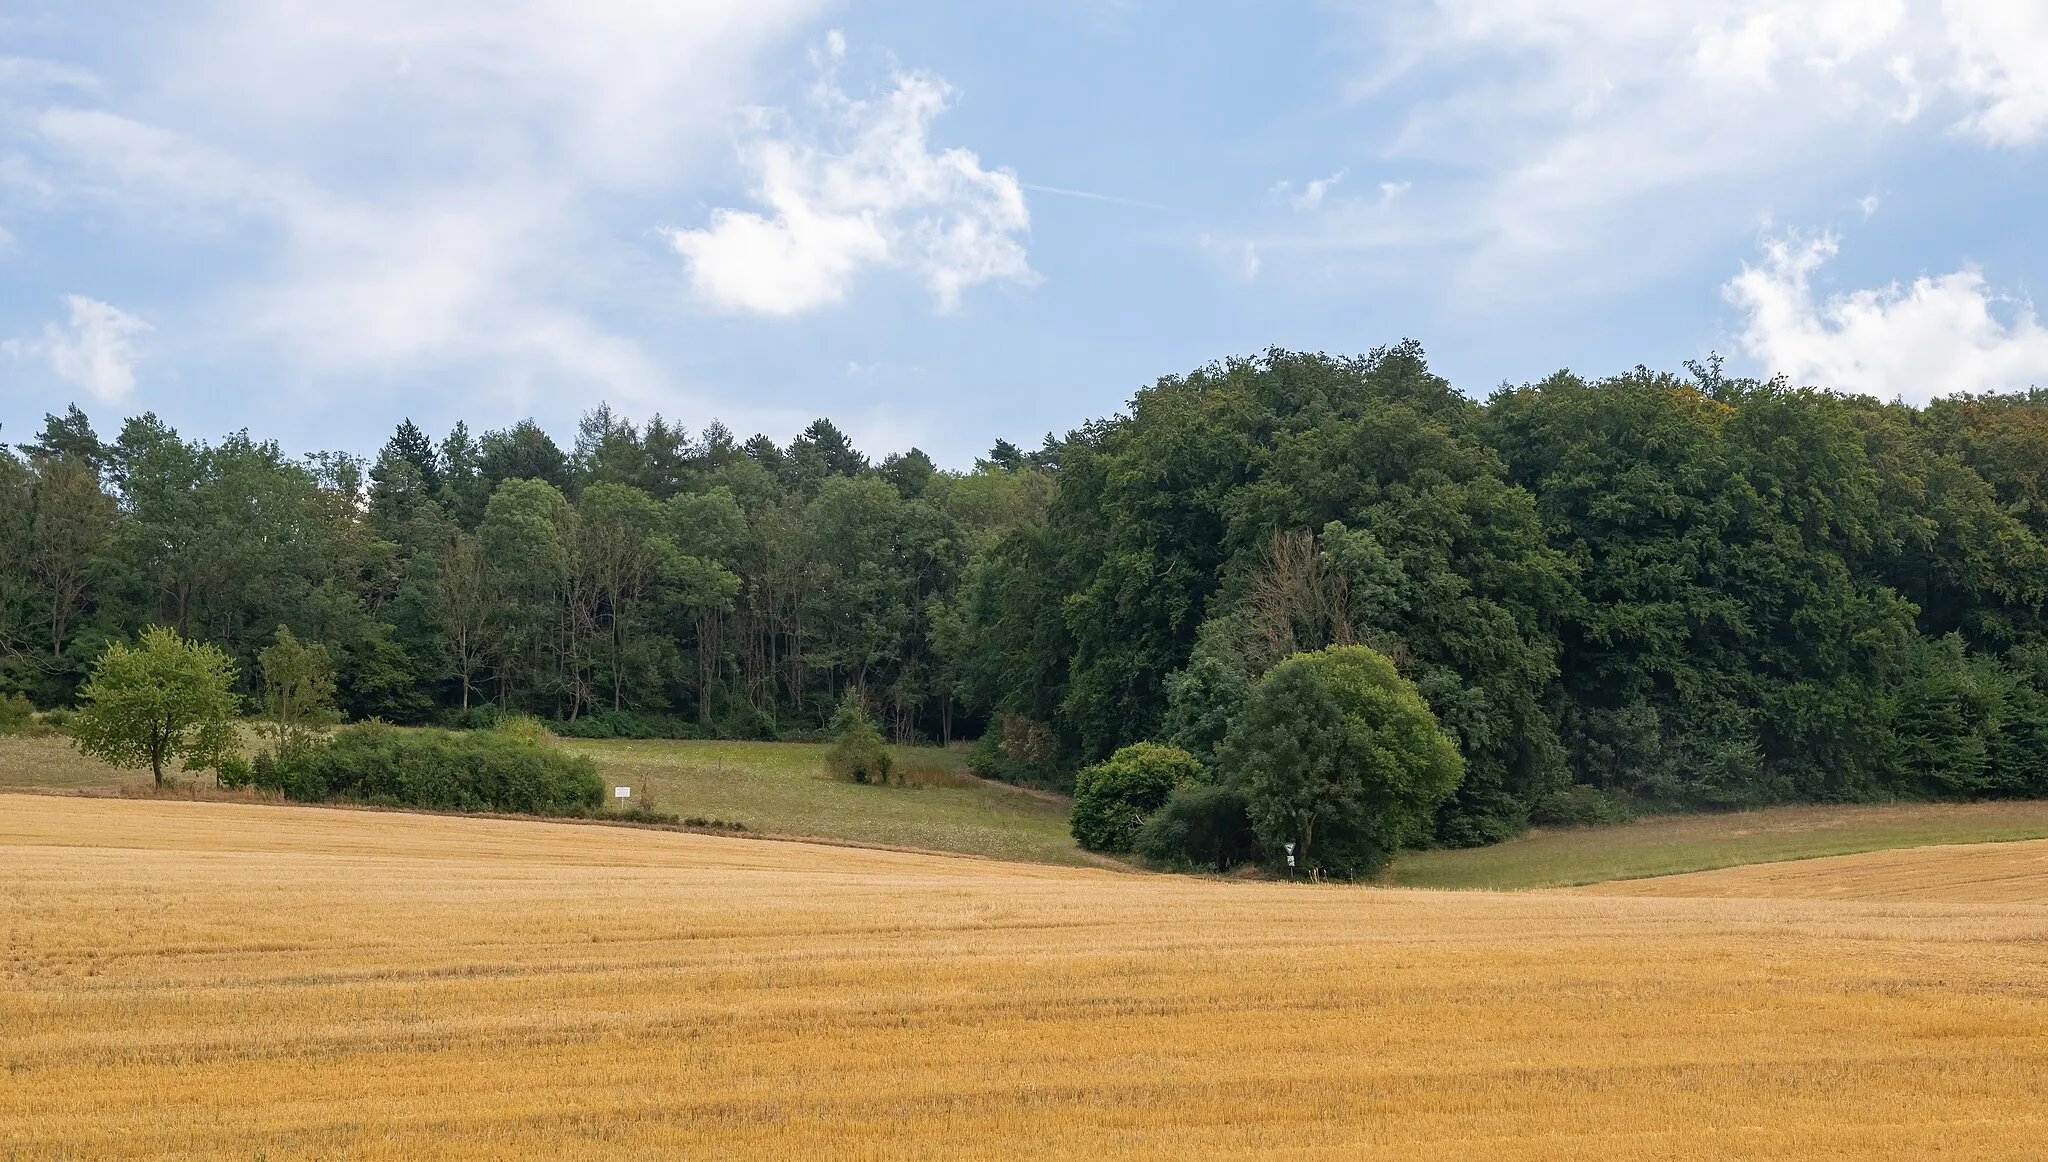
(1113, 799)
(160, 699)
(1337, 754)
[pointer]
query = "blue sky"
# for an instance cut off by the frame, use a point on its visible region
(941, 224)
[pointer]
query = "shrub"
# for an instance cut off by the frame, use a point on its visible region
(234, 772)
(1037, 763)
(16, 714)
(265, 774)
(59, 717)
(1112, 799)
(1200, 827)
(1339, 755)
(857, 751)
(475, 718)
(504, 769)
(1580, 806)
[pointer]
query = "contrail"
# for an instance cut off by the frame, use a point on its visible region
(1092, 197)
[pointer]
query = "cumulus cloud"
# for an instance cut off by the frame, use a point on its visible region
(2001, 64)
(407, 187)
(882, 197)
(1561, 124)
(1935, 337)
(95, 351)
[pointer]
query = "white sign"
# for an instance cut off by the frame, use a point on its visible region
(622, 792)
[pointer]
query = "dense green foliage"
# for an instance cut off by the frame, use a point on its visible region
(1338, 755)
(1652, 589)
(1200, 827)
(483, 770)
(1689, 591)
(664, 582)
(1113, 799)
(298, 694)
(161, 699)
(857, 753)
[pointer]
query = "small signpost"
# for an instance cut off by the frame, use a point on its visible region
(627, 793)
(1288, 846)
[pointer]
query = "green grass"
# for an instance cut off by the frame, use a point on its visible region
(50, 762)
(1668, 845)
(772, 787)
(783, 788)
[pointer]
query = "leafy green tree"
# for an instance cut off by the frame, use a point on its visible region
(1339, 755)
(522, 452)
(526, 541)
(1113, 799)
(163, 698)
(622, 548)
(1201, 826)
(298, 694)
(857, 752)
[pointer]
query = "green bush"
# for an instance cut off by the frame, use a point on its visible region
(1581, 806)
(16, 714)
(265, 774)
(1199, 828)
(1338, 754)
(234, 772)
(857, 751)
(486, 770)
(1113, 799)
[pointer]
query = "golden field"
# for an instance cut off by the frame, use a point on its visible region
(1983, 873)
(217, 980)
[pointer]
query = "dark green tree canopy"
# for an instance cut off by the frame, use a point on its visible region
(1689, 589)
(1112, 799)
(1339, 755)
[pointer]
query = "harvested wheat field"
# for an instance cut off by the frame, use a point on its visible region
(209, 980)
(1982, 873)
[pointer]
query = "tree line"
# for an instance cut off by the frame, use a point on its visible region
(644, 578)
(1688, 589)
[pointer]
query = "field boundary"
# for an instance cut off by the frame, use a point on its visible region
(1098, 860)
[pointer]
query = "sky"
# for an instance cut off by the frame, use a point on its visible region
(942, 224)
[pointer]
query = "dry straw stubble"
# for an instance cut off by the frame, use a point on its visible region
(190, 980)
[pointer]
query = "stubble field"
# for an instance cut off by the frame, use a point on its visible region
(211, 980)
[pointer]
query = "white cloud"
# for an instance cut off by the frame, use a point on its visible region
(410, 188)
(1567, 125)
(95, 351)
(1311, 194)
(2001, 64)
(882, 198)
(1938, 336)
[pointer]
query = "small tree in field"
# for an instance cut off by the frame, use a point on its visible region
(298, 694)
(160, 699)
(857, 751)
(1113, 799)
(1337, 754)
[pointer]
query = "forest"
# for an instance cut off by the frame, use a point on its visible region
(1682, 590)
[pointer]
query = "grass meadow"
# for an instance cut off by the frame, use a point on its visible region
(1673, 844)
(774, 788)
(190, 980)
(783, 788)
